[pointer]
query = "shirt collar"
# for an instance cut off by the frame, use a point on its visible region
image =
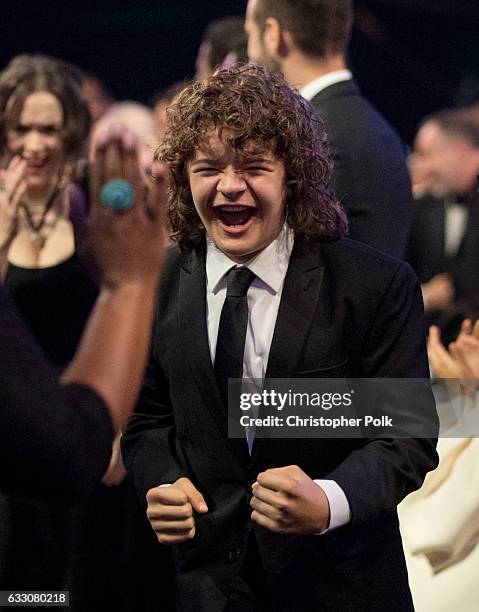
(269, 265)
(331, 78)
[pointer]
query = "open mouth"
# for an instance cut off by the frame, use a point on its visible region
(36, 166)
(234, 216)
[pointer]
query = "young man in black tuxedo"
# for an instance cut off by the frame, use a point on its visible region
(262, 266)
(307, 41)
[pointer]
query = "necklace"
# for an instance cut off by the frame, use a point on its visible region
(36, 229)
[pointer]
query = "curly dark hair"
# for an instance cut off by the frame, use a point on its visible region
(250, 107)
(27, 74)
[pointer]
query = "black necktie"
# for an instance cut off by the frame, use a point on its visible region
(232, 329)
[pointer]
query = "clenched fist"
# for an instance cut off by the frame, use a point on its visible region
(286, 500)
(170, 511)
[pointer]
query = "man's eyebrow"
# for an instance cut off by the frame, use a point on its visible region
(247, 158)
(253, 158)
(205, 160)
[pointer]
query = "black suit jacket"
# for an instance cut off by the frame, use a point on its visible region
(426, 247)
(346, 310)
(370, 176)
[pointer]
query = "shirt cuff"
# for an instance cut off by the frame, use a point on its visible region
(339, 510)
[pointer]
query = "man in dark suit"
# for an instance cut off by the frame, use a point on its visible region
(274, 524)
(306, 40)
(443, 246)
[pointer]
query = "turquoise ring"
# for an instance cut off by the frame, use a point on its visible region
(118, 194)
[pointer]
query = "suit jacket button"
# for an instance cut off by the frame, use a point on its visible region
(233, 555)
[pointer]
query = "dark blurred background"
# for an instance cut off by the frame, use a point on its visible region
(410, 56)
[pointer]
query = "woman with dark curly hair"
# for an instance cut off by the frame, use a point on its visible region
(264, 286)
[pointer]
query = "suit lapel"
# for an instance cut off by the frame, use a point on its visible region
(439, 237)
(299, 302)
(194, 339)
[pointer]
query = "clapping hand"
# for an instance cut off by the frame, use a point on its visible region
(466, 348)
(459, 362)
(438, 293)
(12, 187)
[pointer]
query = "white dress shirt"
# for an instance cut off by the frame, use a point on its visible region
(455, 226)
(264, 296)
(331, 78)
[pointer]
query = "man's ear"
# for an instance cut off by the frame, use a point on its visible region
(276, 40)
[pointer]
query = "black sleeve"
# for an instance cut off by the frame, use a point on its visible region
(54, 439)
(378, 476)
(151, 450)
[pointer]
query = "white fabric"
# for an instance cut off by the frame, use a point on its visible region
(455, 226)
(314, 87)
(440, 529)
